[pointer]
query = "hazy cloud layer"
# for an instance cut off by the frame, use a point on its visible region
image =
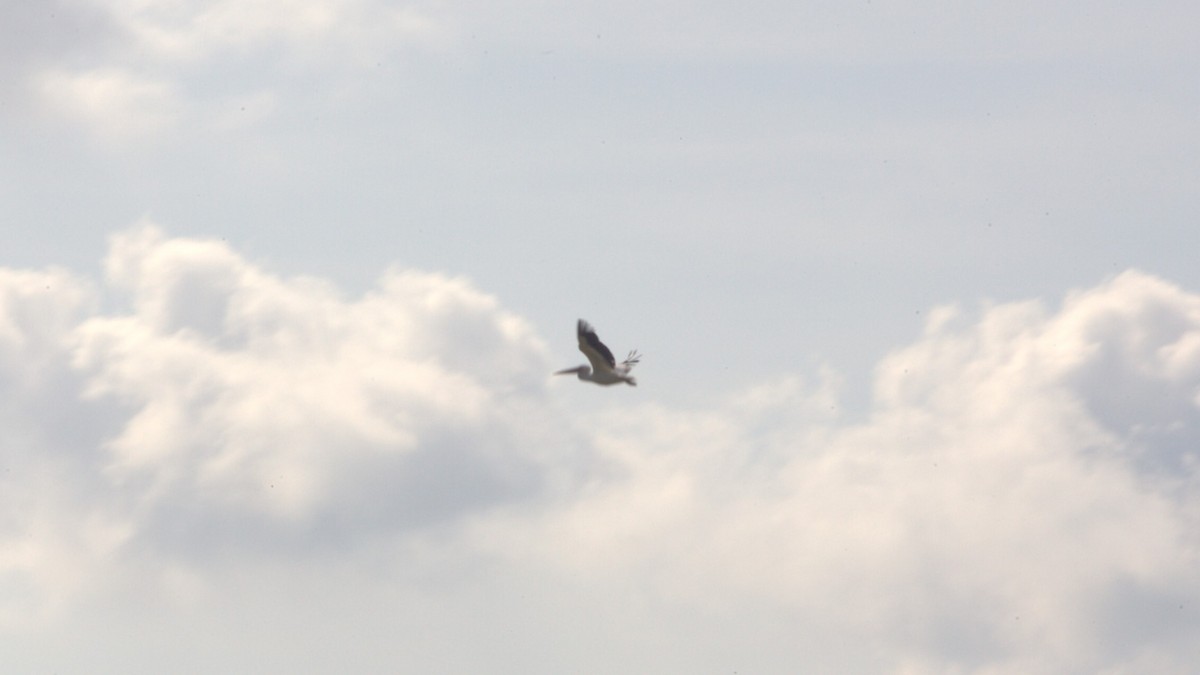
(129, 71)
(258, 448)
(194, 436)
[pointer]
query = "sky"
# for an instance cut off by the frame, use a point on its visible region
(282, 285)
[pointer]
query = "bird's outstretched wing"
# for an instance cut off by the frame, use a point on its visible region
(599, 355)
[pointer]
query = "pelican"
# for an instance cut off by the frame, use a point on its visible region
(605, 369)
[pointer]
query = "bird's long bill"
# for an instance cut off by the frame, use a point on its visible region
(567, 371)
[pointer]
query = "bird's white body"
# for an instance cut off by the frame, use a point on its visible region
(604, 369)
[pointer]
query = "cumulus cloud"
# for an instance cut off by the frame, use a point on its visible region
(228, 407)
(52, 531)
(279, 398)
(1004, 509)
(1022, 496)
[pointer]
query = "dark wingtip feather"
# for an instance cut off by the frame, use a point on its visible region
(588, 335)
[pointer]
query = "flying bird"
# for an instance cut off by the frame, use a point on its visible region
(605, 369)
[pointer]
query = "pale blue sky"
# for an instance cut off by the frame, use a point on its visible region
(792, 183)
(767, 199)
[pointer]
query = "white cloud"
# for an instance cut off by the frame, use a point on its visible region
(994, 512)
(54, 534)
(232, 408)
(116, 104)
(1023, 496)
(156, 66)
(277, 397)
(309, 30)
